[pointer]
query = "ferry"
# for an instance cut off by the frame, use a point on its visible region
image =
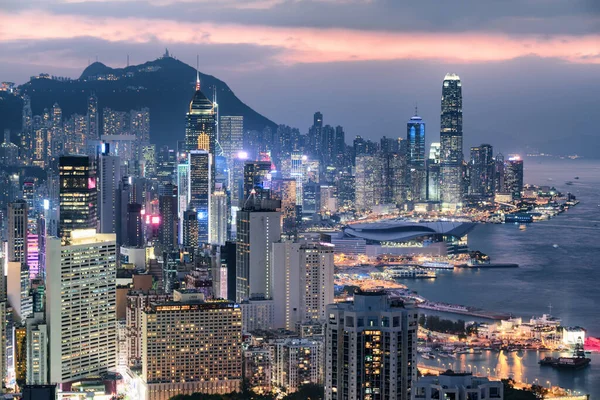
(578, 361)
(428, 356)
(437, 265)
(410, 273)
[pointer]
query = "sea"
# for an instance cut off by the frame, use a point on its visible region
(558, 274)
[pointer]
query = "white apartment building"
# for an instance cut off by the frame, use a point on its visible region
(81, 305)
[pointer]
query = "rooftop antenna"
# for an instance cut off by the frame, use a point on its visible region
(416, 108)
(197, 73)
(550, 309)
(128, 60)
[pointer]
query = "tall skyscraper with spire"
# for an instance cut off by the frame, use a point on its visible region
(451, 139)
(201, 126)
(415, 136)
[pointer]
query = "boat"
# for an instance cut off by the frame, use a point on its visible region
(577, 361)
(428, 356)
(569, 183)
(463, 352)
(476, 352)
(437, 265)
(576, 177)
(522, 227)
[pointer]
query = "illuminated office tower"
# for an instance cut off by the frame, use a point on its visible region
(284, 190)
(9, 152)
(416, 158)
(77, 194)
(190, 229)
(191, 345)
(183, 194)
(201, 127)
(82, 274)
(110, 176)
(366, 182)
(218, 216)
(149, 160)
(93, 122)
(37, 350)
(167, 206)
(481, 171)
(451, 140)
(499, 174)
(237, 179)
(257, 181)
(257, 230)
(27, 130)
(371, 349)
(297, 173)
(433, 173)
(513, 176)
(231, 139)
(17, 231)
(200, 186)
(303, 283)
(134, 234)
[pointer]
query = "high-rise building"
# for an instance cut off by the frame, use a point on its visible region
(200, 189)
(415, 136)
(191, 345)
(82, 274)
(296, 362)
(93, 132)
(481, 171)
(231, 139)
(340, 145)
(451, 140)
(134, 234)
(257, 230)
(37, 350)
(110, 176)
(514, 176)
(190, 229)
(9, 152)
(18, 289)
(17, 231)
(167, 208)
(201, 127)
(139, 124)
(218, 216)
(303, 283)
(499, 174)
(315, 133)
(183, 193)
(77, 194)
(257, 181)
(370, 349)
(284, 190)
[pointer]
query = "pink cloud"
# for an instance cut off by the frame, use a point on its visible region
(306, 45)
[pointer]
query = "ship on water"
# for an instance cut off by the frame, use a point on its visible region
(578, 361)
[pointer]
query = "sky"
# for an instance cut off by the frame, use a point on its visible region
(530, 68)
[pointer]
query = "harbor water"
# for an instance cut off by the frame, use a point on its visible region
(559, 272)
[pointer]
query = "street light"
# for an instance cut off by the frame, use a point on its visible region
(548, 382)
(470, 368)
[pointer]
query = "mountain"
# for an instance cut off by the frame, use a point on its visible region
(165, 86)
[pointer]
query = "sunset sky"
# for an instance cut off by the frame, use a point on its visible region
(525, 65)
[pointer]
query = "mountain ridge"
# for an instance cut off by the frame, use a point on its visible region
(164, 85)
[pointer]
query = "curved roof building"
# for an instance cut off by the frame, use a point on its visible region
(403, 231)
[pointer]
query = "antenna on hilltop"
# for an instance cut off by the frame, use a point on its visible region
(550, 309)
(128, 60)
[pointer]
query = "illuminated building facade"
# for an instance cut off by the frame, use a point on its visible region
(451, 140)
(82, 274)
(481, 171)
(191, 345)
(257, 181)
(284, 190)
(513, 176)
(371, 349)
(110, 176)
(257, 369)
(231, 139)
(17, 231)
(415, 136)
(218, 216)
(296, 362)
(77, 194)
(93, 132)
(37, 350)
(200, 162)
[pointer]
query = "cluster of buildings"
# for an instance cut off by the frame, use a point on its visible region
(174, 271)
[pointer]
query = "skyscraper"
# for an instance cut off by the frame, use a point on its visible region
(451, 139)
(218, 216)
(110, 176)
(200, 189)
(415, 136)
(303, 283)
(17, 231)
(81, 274)
(514, 176)
(93, 132)
(284, 190)
(257, 175)
(370, 349)
(167, 208)
(315, 133)
(77, 194)
(231, 139)
(257, 229)
(481, 171)
(201, 127)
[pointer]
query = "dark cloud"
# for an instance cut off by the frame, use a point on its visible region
(507, 16)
